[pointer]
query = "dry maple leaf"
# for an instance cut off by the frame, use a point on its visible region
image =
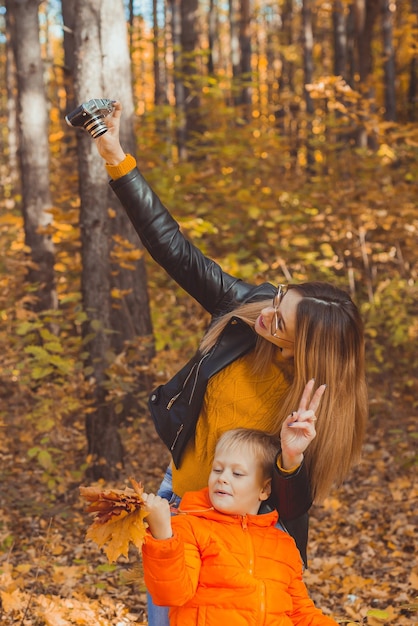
(118, 518)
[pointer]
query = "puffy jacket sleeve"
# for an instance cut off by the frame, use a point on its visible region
(160, 234)
(171, 570)
(304, 612)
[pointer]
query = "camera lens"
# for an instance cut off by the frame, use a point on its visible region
(96, 126)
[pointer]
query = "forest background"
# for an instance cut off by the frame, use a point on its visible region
(283, 136)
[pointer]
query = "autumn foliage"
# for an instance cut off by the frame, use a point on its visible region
(280, 196)
(118, 518)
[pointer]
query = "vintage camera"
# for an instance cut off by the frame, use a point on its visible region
(89, 115)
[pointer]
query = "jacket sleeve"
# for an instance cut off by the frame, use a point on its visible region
(304, 612)
(292, 492)
(160, 234)
(171, 570)
(291, 496)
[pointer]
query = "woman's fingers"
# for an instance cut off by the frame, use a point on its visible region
(305, 418)
(306, 395)
(117, 108)
(316, 398)
(306, 402)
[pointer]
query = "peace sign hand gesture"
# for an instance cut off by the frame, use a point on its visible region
(298, 429)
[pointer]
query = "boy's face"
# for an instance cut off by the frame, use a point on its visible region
(236, 483)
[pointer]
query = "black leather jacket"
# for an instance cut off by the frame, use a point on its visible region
(175, 406)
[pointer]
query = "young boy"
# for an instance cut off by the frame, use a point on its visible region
(218, 562)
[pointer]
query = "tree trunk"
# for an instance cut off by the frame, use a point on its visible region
(160, 78)
(103, 70)
(245, 55)
(340, 39)
(104, 445)
(212, 37)
(307, 52)
(235, 51)
(413, 75)
(189, 70)
(11, 86)
(33, 125)
(287, 39)
(366, 12)
(131, 23)
(68, 16)
(308, 75)
(365, 17)
(160, 75)
(343, 49)
(272, 27)
(130, 313)
(388, 8)
(179, 90)
(351, 47)
(287, 109)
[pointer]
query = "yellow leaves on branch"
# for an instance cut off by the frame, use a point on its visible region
(118, 518)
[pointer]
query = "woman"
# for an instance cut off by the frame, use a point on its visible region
(257, 362)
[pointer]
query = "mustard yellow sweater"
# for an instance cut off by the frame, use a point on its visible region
(235, 398)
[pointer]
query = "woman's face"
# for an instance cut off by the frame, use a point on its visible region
(284, 320)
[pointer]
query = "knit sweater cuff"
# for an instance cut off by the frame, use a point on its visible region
(122, 168)
(282, 469)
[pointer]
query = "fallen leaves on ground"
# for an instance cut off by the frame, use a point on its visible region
(363, 561)
(363, 538)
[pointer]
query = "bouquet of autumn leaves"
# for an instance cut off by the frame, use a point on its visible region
(118, 518)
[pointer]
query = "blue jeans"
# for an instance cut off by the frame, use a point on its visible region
(158, 615)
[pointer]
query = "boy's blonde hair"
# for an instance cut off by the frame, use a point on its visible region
(263, 445)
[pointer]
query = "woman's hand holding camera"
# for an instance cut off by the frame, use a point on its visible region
(108, 144)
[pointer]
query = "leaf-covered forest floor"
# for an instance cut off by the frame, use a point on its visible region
(363, 539)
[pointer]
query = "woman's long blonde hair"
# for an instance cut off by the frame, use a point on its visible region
(329, 347)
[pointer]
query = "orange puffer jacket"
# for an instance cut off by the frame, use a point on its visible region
(224, 570)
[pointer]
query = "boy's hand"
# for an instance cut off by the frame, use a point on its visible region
(158, 516)
(298, 429)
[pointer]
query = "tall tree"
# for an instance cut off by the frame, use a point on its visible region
(114, 285)
(388, 8)
(288, 106)
(131, 22)
(130, 312)
(340, 38)
(413, 72)
(365, 14)
(33, 124)
(189, 11)
(246, 53)
(68, 16)
(308, 42)
(104, 445)
(235, 50)
(212, 36)
(10, 77)
(179, 88)
(287, 40)
(159, 62)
